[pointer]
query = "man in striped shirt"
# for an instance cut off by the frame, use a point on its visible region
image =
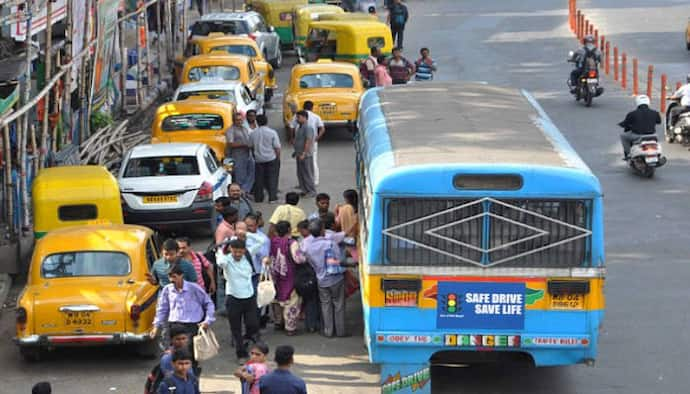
(426, 66)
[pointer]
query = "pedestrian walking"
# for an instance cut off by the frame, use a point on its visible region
(205, 276)
(250, 373)
(397, 19)
(219, 205)
(239, 201)
(368, 66)
(323, 203)
(161, 267)
(182, 380)
(240, 300)
(266, 149)
(303, 154)
(425, 65)
(315, 121)
(289, 212)
(381, 74)
(324, 256)
(239, 148)
(178, 340)
(400, 68)
(287, 308)
(281, 380)
(251, 121)
(183, 303)
(226, 228)
(42, 388)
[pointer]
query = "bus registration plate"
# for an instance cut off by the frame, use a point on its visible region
(568, 301)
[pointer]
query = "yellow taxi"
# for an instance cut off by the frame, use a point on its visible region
(334, 87)
(193, 120)
(240, 45)
(87, 286)
(223, 67)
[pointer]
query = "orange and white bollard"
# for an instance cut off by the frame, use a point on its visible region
(607, 57)
(624, 71)
(596, 38)
(578, 25)
(615, 63)
(635, 76)
(650, 80)
(586, 28)
(603, 41)
(662, 105)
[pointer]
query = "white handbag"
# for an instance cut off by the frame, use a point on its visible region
(265, 291)
(205, 345)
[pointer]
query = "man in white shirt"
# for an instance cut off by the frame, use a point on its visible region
(316, 123)
(682, 92)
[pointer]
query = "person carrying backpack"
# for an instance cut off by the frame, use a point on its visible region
(368, 66)
(182, 380)
(397, 18)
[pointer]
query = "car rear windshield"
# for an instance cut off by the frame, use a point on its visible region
(192, 122)
(223, 73)
(246, 50)
(161, 166)
(225, 95)
(204, 28)
(76, 264)
(326, 80)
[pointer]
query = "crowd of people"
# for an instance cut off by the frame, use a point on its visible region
(305, 255)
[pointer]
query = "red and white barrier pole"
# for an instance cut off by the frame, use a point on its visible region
(650, 80)
(607, 57)
(615, 63)
(636, 80)
(662, 105)
(624, 71)
(596, 38)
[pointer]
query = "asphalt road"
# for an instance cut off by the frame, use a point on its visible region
(644, 343)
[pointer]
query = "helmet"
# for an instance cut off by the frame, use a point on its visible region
(589, 39)
(685, 101)
(641, 100)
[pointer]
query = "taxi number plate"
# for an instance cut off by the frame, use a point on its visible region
(592, 80)
(159, 199)
(78, 319)
(327, 109)
(568, 301)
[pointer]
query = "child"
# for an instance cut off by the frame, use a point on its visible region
(426, 66)
(254, 369)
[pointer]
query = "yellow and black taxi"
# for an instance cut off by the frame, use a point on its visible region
(334, 87)
(87, 286)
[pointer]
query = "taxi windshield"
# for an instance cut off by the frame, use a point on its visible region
(326, 80)
(224, 73)
(246, 50)
(161, 166)
(192, 122)
(76, 264)
(226, 95)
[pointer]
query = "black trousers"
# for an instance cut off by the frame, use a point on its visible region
(266, 177)
(398, 35)
(242, 309)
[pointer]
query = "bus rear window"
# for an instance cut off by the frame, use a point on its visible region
(487, 182)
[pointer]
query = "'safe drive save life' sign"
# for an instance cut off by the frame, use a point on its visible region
(481, 305)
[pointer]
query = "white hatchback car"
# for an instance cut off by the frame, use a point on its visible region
(171, 185)
(234, 92)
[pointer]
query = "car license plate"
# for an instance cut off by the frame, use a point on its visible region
(160, 199)
(327, 108)
(592, 80)
(568, 301)
(78, 319)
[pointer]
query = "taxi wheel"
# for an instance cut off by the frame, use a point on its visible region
(31, 354)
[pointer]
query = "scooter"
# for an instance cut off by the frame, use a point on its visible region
(680, 130)
(645, 156)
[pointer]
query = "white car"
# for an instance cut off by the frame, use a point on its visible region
(171, 185)
(234, 92)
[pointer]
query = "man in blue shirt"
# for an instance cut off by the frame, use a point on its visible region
(240, 300)
(182, 380)
(160, 268)
(281, 380)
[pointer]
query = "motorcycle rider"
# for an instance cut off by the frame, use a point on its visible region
(638, 123)
(683, 93)
(580, 57)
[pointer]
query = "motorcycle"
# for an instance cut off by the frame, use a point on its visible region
(587, 86)
(645, 156)
(680, 130)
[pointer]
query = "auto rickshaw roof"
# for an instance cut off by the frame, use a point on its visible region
(353, 26)
(53, 183)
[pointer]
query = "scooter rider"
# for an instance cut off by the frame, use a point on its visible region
(683, 93)
(638, 123)
(589, 50)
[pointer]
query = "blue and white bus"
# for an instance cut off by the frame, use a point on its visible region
(481, 233)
